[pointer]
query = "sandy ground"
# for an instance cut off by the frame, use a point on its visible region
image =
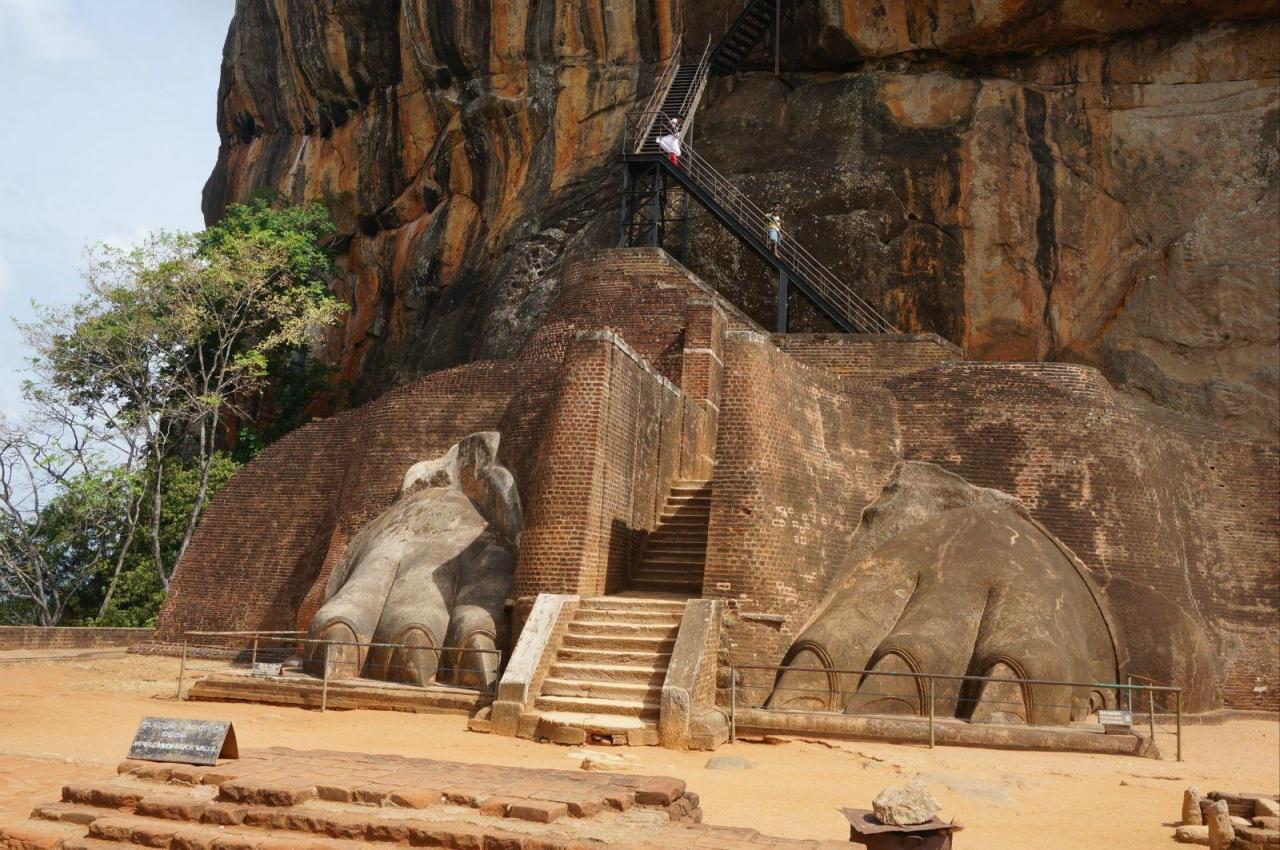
(73, 719)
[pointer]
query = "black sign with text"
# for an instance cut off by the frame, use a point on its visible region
(184, 741)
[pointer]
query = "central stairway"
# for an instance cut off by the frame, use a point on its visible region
(607, 675)
(674, 557)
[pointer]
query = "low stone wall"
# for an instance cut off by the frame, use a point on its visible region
(69, 637)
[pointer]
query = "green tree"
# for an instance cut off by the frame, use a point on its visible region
(170, 343)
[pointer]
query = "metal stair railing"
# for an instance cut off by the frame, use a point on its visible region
(689, 106)
(749, 218)
(653, 107)
(733, 15)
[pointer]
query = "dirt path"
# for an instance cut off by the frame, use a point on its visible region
(74, 719)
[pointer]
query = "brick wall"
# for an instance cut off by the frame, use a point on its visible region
(263, 553)
(798, 455)
(614, 442)
(868, 358)
(1145, 498)
(264, 550)
(69, 637)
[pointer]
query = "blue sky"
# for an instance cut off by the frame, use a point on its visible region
(108, 131)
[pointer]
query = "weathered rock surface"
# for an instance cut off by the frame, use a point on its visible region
(460, 146)
(1082, 181)
(1192, 834)
(1114, 204)
(905, 806)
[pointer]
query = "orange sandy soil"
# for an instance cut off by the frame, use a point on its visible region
(67, 720)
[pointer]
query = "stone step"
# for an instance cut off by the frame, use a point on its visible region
(595, 689)
(683, 520)
(631, 603)
(667, 560)
(686, 588)
(619, 641)
(643, 709)
(586, 672)
(677, 546)
(611, 656)
(612, 627)
(692, 575)
(592, 722)
(628, 616)
(39, 834)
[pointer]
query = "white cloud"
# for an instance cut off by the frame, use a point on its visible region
(43, 29)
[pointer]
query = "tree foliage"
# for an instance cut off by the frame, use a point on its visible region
(171, 343)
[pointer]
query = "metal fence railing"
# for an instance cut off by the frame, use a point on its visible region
(292, 654)
(937, 696)
(754, 220)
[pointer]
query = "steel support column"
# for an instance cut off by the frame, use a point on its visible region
(782, 301)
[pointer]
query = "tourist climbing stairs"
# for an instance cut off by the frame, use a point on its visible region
(744, 27)
(672, 559)
(607, 675)
(676, 96)
(650, 172)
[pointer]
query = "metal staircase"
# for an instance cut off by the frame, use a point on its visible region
(744, 26)
(656, 191)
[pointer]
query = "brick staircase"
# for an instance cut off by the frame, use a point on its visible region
(607, 675)
(673, 558)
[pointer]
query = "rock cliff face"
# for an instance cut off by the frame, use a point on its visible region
(1096, 182)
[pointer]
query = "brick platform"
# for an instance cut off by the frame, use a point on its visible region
(281, 799)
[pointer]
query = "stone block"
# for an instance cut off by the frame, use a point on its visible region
(496, 807)
(334, 793)
(658, 790)
(414, 798)
(538, 811)
(171, 808)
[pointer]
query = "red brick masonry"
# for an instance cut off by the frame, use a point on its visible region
(69, 637)
(282, 799)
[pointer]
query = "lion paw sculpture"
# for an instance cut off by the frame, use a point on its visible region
(433, 571)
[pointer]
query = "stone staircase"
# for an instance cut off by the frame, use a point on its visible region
(606, 678)
(674, 556)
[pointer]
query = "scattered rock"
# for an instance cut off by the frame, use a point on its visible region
(1191, 809)
(728, 763)
(906, 806)
(1265, 807)
(1236, 821)
(604, 761)
(1192, 834)
(1221, 833)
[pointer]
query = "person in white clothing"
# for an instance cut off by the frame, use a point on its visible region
(670, 143)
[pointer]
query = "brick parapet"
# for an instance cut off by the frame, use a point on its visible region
(1147, 503)
(70, 637)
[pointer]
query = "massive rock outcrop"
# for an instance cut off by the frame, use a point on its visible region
(1095, 182)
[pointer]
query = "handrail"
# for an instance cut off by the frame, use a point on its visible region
(729, 21)
(754, 219)
(925, 685)
(659, 93)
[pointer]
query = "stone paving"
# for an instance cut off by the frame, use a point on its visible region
(281, 799)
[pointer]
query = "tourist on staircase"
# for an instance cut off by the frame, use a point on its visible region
(773, 228)
(670, 143)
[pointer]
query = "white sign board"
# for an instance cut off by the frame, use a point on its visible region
(262, 668)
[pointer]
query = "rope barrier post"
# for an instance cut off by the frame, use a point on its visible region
(182, 667)
(324, 685)
(930, 680)
(777, 38)
(253, 659)
(733, 706)
(1151, 714)
(1177, 707)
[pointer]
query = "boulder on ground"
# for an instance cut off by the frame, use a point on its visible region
(1192, 834)
(907, 806)
(1191, 809)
